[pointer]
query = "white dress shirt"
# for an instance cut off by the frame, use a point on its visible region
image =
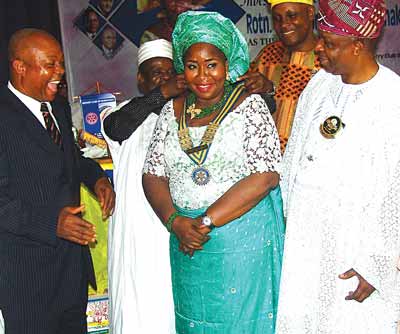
(91, 35)
(108, 53)
(33, 105)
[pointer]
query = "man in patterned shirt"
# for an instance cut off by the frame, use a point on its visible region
(289, 62)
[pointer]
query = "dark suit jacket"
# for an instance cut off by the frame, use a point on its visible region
(37, 179)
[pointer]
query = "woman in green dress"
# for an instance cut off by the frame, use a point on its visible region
(211, 175)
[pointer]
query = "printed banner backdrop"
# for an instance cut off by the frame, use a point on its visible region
(101, 37)
(100, 45)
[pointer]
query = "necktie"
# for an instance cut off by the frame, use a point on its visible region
(51, 127)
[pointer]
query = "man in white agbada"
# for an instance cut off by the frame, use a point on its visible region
(341, 185)
(138, 245)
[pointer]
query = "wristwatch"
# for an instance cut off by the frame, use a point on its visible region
(207, 221)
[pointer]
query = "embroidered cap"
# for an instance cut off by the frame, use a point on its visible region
(358, 18)
(152, 49)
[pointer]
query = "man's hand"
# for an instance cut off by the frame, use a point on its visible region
(73, 228)
(364, 289)
(106, 196)
(256, 83)
(173, 87)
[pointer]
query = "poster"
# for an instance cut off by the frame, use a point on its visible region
(100, 41)
(97, 315)
(101, 37)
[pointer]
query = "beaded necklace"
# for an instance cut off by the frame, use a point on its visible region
(199, 113)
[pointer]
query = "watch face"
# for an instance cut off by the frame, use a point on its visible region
(206, 221)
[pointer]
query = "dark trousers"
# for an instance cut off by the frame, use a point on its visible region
(35, 319)
(44, 294)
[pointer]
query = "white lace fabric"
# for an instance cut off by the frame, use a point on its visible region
(342, 204)
(246, 142)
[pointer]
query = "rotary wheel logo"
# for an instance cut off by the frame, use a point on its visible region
(91, 118)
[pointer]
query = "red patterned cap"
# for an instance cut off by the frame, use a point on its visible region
(358, 18)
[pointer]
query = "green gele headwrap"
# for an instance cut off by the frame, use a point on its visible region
(210, 27)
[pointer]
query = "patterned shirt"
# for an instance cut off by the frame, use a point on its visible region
(290, 73)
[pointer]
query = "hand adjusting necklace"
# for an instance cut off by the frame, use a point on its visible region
(200, 175)
(203, 112)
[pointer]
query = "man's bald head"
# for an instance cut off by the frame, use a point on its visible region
(25, 39)
(36, 63)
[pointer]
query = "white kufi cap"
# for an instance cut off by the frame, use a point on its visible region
(152, 49)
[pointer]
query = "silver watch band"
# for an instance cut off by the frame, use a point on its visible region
(207, 221)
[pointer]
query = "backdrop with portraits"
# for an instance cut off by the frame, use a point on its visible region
(101, 37)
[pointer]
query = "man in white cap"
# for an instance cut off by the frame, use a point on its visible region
(138, 256)
(156, 81)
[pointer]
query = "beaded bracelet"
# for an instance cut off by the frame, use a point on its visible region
(170, 220)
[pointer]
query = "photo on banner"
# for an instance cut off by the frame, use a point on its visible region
(89, 22)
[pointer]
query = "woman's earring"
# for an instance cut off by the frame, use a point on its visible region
(228, 76)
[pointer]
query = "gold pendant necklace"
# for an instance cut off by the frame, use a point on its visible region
(193, 111)
(331, 127)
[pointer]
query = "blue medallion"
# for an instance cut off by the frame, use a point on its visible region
(200, 176)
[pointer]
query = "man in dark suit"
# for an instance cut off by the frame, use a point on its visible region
(45, 264)
(92, 23)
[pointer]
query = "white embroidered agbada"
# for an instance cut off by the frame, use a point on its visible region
(1, 323)
(342, 204)
(138, 246)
